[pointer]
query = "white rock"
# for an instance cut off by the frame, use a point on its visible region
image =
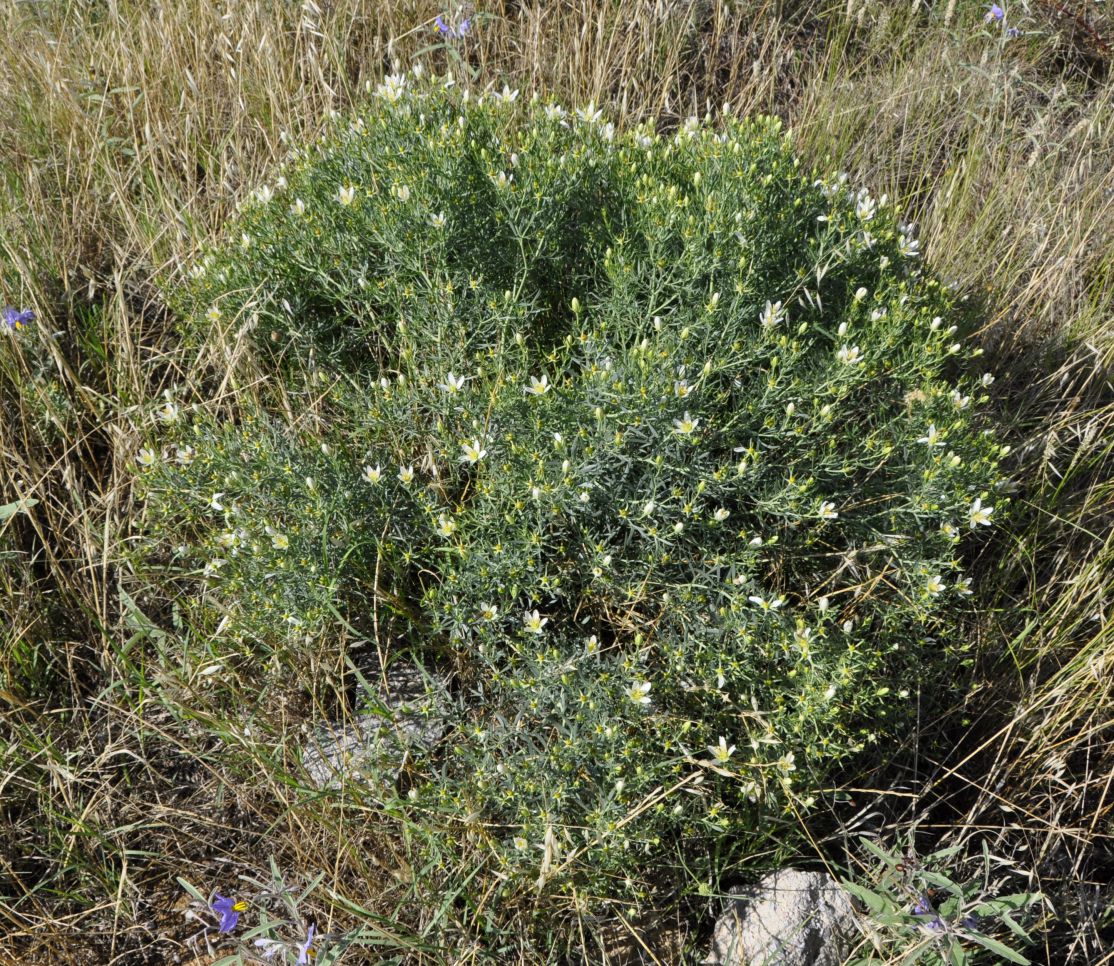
(790, 918)
(410, 718)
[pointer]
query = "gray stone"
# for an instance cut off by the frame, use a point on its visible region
(790, 918)
(409, 717)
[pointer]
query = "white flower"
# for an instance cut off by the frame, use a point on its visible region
(169, 412)
(932, 437)
(949, 530)
(721, 752)
(488, 612)
(298, 207)
(280, 541)
(827, 510)
(373, 474)
(538, 387)
(681, 389)
(184, 455)
(639, 692)
(231, 539)
(446, 526)
(213, 566)
(909, 247)
(767, 604)
(214, 501)
(849, 356)
(406, 474)
(963, 586)
(520, 843)
(584, 496)
(502, 179)
(987, 379)
(802, 637)
(554, 112)
(264, 194)
(346, 195)
(721, 514)
(686, 425)
(437, 220)
(771, 315)
(214, 314)
(534, 622)
(452, 384)
(506, 96)
(245, 240)
(934, 585)
(401, 192)
(473, 452)
(979, 514)
(589, 114)
(865, 207)
(146, 457)
(392, 87)
(959, 400)
(648, 508)
(786, 764)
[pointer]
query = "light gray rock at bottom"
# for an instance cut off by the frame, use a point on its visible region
(790, 918)
(411, 718)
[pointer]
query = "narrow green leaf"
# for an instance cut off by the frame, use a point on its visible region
(999, 949)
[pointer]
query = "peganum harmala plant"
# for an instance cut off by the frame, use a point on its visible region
(660, 447)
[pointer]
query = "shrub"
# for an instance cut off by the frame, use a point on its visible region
(657, 444)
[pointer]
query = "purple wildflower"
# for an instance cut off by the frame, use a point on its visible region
(229, 912)
(923, 907)
(995, 13)
(454, 32)
(971, 922)
(303, 951)
(16, 319)
(1013, 33)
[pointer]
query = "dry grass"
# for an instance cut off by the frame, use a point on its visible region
(130, 129)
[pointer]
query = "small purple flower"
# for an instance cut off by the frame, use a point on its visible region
(923, 907)
(229, 912)
(16, 319)
(971, 922)
(303, 950)
(995, 13)
(454, 32)
(1013, 33)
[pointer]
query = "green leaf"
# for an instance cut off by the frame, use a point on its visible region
(872, 900)
(890, 860)
(192, 891)
(11, 509)
(999, 949)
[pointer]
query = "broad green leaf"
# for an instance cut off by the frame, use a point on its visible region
(11, 509)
